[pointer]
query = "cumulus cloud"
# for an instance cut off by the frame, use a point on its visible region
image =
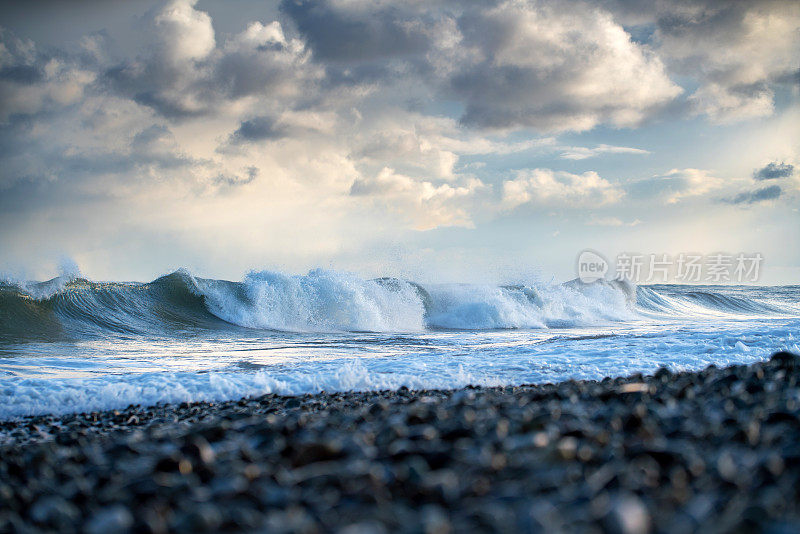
(549, 65)
(184, 33)
(571, 65)
(540, 186)
(430, 147)
(726, 104)
(32, 82)
(358, 31)
(555, 66)
(410, 151)
(738, 51)
(426, 204)
(773, 171)
(188, 73)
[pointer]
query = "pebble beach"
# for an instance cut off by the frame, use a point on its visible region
(711, 451)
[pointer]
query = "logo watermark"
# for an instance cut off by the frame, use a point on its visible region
(683, 268)
(591, 266)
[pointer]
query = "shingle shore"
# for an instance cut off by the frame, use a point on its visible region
(713, 451)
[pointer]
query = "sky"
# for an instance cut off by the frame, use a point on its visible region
(459, 141)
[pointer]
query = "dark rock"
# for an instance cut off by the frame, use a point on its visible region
(306, 453)
(53, 511)
(786, 360)
(116, 518)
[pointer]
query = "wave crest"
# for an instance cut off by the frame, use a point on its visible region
(322, 300)
(328, 301)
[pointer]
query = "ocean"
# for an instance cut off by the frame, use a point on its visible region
(73, 345)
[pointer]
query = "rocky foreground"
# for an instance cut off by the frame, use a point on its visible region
(714, 451)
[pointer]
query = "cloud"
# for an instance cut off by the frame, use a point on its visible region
(32, 82)
(448, 134)
(430, 147)
(258, 129)
(611, 221)
(364, 46)
(579, 152)
(356, 32)
(555, 67)
(156, 143)
(545, 186)
(773, 171)
(262, 61)
(771, 192)
(184, 33)
(409, 151)
(189, 74)
(425, 204)
(562, 66)
(552, 66)
(549, 65)
(402, 114)
(250, 174)
(675, 186)
(727, 104)
(737, 51)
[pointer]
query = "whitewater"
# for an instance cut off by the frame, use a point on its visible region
(73, 345)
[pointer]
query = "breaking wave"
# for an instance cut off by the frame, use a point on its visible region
(330, 301)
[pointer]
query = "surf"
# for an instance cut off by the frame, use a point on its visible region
(334, 301)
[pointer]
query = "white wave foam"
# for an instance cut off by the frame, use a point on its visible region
(38, 396)
(326, 300)
(68, 271)
(482, 307)
(493, 359)
(319, 301)
(587, 304)
(471, 307)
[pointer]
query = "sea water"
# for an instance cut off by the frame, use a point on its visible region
(73, 345)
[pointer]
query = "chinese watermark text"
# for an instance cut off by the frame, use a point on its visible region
(685, 268)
